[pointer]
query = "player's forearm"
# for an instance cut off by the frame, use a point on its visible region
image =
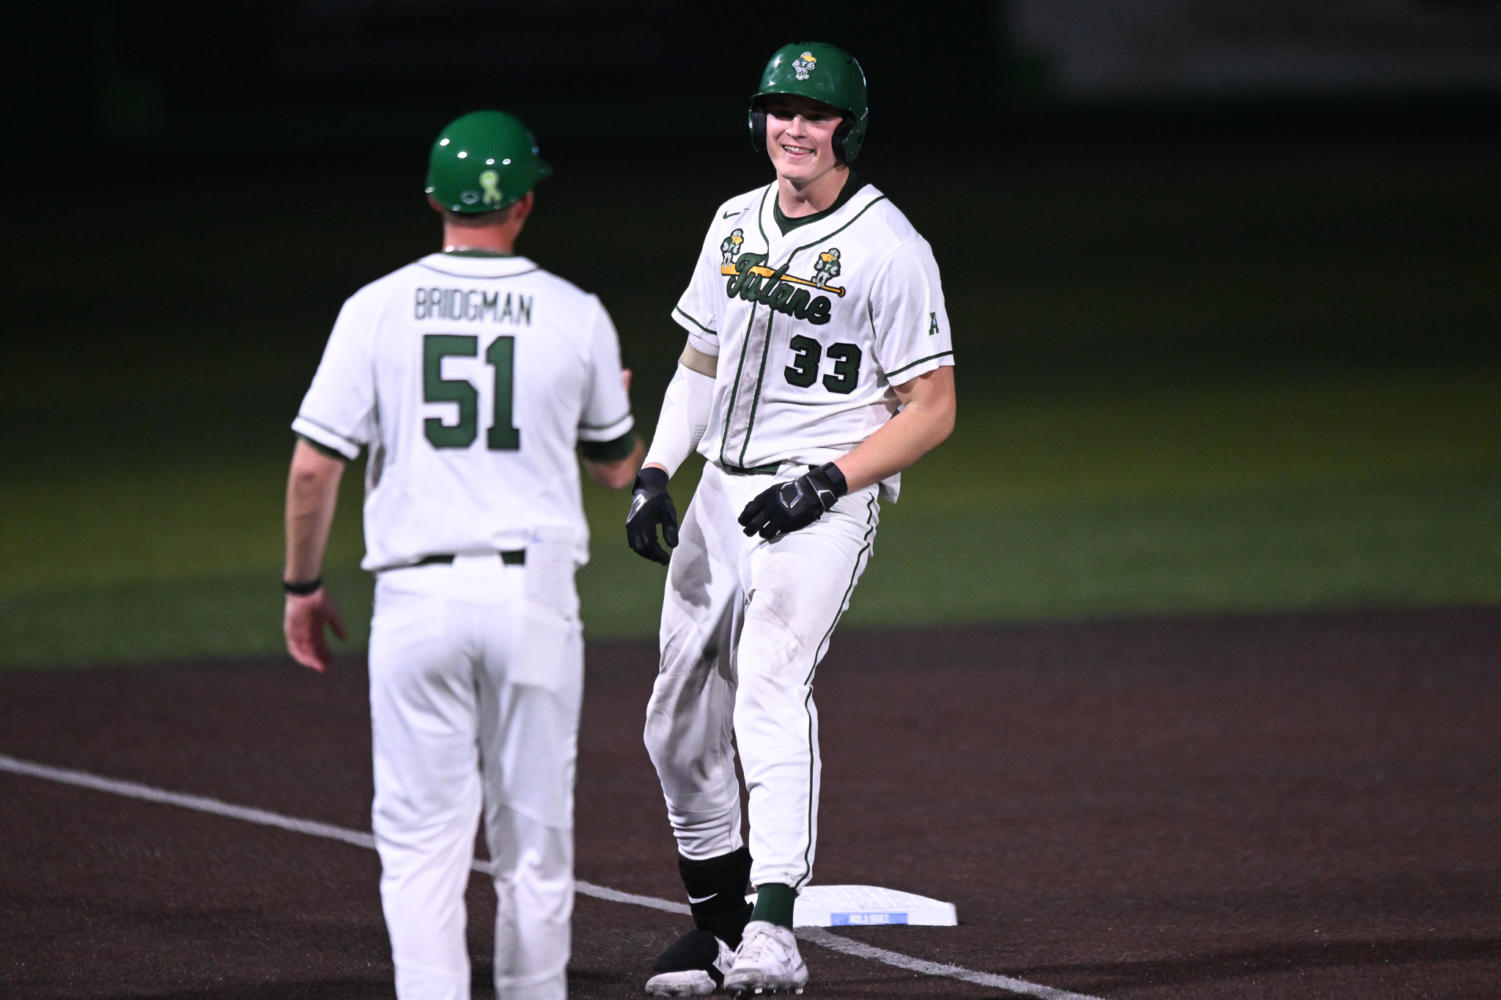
(924, 422)
(312, 494)
(684, 415)
(899, 443)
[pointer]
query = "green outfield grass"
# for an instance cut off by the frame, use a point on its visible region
(1184, 388)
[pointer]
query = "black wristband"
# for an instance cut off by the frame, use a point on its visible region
(836, 478)
(304, 588)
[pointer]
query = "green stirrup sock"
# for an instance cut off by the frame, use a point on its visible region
(774, 904)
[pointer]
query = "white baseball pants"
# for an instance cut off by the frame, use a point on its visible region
(476, 680)
(745, 623)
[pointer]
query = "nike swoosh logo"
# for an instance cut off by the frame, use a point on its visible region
(729, 215)
(702, 899)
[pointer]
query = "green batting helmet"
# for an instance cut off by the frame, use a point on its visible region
(483, 161)
(821, 72)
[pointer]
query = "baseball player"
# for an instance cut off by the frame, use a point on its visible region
(471, 376)
(818, 366)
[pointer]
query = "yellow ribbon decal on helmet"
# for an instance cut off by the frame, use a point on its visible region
(490, 181)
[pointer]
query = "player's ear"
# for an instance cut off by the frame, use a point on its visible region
(520, 209)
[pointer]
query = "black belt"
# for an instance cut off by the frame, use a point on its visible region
(760, 470)
(511, 557)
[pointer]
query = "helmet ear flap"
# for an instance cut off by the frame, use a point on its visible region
(756, 119)
(841, 134)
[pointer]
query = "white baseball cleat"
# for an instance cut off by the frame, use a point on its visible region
(693, 966)
(767, 962)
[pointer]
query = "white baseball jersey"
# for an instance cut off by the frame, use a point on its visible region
(812, 327)
(470, 378)
(813, 320)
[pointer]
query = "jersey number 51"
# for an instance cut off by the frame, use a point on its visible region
(503, 434)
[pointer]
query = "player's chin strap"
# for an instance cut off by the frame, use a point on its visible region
(787, 507)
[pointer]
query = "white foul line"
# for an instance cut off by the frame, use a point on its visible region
(262, 817)
(860, 949)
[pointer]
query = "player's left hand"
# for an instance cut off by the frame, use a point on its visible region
(303, 621)
(787, 507)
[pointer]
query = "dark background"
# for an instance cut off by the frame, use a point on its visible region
(295, 82)
(149, 126)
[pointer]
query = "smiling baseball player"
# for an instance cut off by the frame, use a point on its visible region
(818, 366)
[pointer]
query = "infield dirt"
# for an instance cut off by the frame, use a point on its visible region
(1252, 806)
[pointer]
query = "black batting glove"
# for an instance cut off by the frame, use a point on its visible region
(651, 506)
(786, 507)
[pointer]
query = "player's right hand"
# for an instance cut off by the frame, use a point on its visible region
(303, 621)
(651, 505)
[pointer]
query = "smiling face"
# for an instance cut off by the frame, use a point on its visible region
(800, 142)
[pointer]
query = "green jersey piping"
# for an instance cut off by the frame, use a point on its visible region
(862, 558)
(930, 357)
(607, 423)
(724, 438)
(852, 185)
(356, 445)
(679, 311)
(322, 448)
(476, 277)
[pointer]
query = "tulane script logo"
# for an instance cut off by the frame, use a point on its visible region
(750, 279)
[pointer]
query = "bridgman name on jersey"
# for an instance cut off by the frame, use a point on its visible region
(473, 305)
